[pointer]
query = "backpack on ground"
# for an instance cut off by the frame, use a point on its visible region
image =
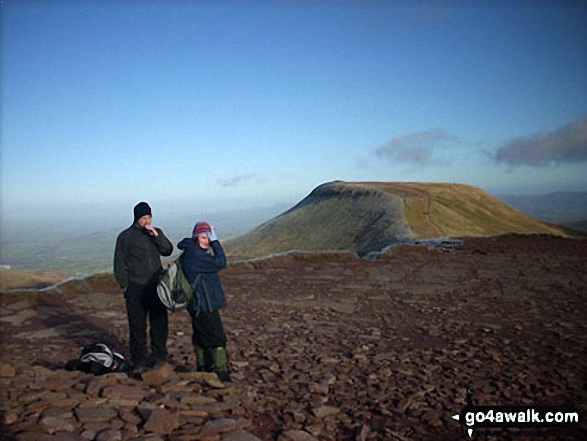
(173, 289)
(99, 359)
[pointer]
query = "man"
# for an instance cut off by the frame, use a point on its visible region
(137, 266)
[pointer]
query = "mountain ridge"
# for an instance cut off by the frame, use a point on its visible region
(368, 216)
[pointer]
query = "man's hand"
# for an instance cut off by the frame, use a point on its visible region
(151, 230)
(212, 235)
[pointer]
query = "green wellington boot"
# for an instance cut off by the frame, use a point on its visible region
(220, 363)
(203, 359)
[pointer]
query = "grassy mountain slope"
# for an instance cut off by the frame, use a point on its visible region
(10, 279)
(366, 216)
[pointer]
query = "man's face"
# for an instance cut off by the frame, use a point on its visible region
(203, 240)
(145, 221)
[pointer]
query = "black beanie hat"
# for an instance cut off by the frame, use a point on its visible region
(142, 209)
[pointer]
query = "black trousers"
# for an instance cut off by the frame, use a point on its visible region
(208, 330)
(143, 301)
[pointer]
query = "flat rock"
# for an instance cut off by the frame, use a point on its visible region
(6, 371)
(109, 435)
(325, 411)
(197, 376)
(239, 435)
(162, 422)
(87, 414)
(217, 426)
(158, 375)
(296, 435)
(9, 416)
(96, 384)
(124, 392)
(68, 436)
(42, 373)
(55, 424)
(35, 436)
(130, 417)
(59, 412)
(196, 399)
(362, 433)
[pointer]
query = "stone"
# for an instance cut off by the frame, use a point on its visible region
(96, 384)
(6, 371)
(97, 427)
(68, 436)
(197, 376)
(362, 433)
(325, 411)
(149, 437)
(130, 417)
(214, 383)
(239, 435)
(162, 422)
(197, 399)
(145, 409)
(59, 412)
(35, 436)
(406, 402)
(314, 429)
(109, 435)
(158, 375)
(116, 424)
(216, 409)
(216, 427)
(296, 435)
(239, 364)
(124, 392)
(193, 413)
(41, 372)
(89, 434)
(130, 429)
(243, 423)
(192, 433)
(29, 397)
(433, 418)
(120, 402)
(55, 424)
(319, 388)
(10, 416)
(87, 414)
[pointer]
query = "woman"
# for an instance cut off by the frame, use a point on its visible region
(202, 259)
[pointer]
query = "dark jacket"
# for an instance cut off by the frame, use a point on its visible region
(196, 262)
(137, 257)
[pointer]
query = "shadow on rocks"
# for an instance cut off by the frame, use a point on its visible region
(76, 328)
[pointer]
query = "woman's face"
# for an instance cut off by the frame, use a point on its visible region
(204, 240)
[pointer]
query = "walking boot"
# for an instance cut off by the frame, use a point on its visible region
(220, 363)
(203, 362)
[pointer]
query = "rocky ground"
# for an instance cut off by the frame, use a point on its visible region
(321, 349)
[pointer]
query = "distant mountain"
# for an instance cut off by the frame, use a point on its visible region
(580, 225)
(555, 207)
(367, 216)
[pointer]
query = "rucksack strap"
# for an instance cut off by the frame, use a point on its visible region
(105, 357)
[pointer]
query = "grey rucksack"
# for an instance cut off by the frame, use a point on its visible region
(173, 289)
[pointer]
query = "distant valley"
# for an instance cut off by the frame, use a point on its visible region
(362, 217)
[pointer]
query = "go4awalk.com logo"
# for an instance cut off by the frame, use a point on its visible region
(474, 417)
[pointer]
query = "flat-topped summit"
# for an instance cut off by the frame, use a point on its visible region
(368, 216)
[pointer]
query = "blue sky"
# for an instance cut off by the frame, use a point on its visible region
(221, 105)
